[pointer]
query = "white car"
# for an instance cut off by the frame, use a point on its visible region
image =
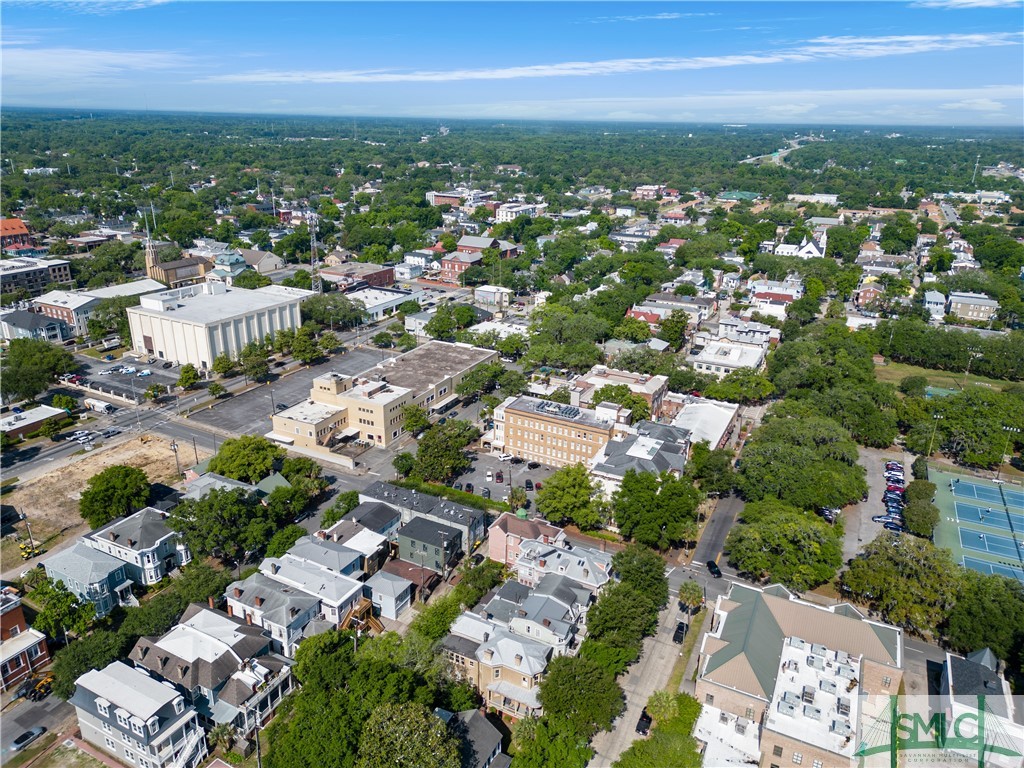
(107, 372)
(490, 476)
(128, 369)
(145, 372)
(504, 456)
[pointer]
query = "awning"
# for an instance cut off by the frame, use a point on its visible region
(123, 585)
(442, 403)
(349, 432)
(279, 438)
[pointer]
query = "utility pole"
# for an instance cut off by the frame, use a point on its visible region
(195, 449)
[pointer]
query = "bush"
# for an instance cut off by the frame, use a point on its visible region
(920, 468)
(469, 499)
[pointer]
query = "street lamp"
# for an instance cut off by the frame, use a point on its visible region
(1009, 431)
(273, 405)
(938, 417)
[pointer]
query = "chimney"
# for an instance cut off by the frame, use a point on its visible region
(259, 602)
(547, 622)
(275, 567)
(230, 612)
(543, 562)
(248, 619)
(238, 591)
(519, 659)
(143, 649)
(210, 601)
(131, 542)
(488, 654)
(112, 536)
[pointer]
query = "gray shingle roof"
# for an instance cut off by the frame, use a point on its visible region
(278, 600)
(140, 531)
(428, 531)
(83, 564)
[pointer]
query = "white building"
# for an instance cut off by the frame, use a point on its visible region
(935, 303)
(511, 211)
(493, 296)
(380, 302)
(406, 271)
(709, 421)
(723, 356)
(197, 323)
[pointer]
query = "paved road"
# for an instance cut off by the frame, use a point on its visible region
(712, 540)
(648, 675)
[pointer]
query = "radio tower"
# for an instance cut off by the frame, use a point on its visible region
(314, 261)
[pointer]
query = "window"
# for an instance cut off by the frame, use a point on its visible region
(886, 682)
(749, 714)
(709, 699)
(816, 764)
(15, 631)
(122, 718)
(103, 707)
(776, 751)
(106, 727)
(797, 758)
(497, 673)
(110, 744)
(128, 755)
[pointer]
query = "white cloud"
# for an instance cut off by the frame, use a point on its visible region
(93, 7)
(667, 16)
(64, 68)
(975, 105)
(817, 49)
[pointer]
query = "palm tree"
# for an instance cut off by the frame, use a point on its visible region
(691, 595)
(223, 736)
(662, 706)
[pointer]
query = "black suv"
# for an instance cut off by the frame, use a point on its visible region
(713, 569)
(643, 725)
(681, 629)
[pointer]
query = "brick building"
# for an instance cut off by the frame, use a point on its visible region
(22, 649)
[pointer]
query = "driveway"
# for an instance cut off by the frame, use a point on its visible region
(860, 530)
(50, 713)
(249, 413)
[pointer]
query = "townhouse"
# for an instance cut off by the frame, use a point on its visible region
(23, 650)
(92, 575)
(283, 610)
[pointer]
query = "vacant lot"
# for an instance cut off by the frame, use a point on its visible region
(894, 373)
(51, 501)
(69, 757)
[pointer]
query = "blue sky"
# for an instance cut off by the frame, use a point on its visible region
(933, 62)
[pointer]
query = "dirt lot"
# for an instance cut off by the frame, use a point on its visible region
(68, 757)
(51, 501)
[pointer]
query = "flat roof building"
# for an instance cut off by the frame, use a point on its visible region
(197, 323)
(651, 388)
(32, 274)
(721, 357)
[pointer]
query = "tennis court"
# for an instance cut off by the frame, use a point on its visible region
(993, 543)
(983, 566)
(1013, 497)
(993, 517)
(968, 490)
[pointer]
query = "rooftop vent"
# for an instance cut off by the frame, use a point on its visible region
(808, 694)
(785, 708)
(812, 712)
(841, 727)
(817, 662)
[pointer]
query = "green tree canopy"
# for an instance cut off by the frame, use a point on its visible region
(580, 715)
(30, 366)
(441, 453)
(401, 735)
(60, 610)
(248, 458)
(188, 376)
(654, 511)
(568, 496)
(117, 490)
(644, 569)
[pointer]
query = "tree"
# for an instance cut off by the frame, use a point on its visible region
(644, 569)
(441, 452)
(410, 307)
(789, 546)
(284, 539)
(989, 613)
(251, 279)
(61, 612)
(328, 342)
(414, 419)
(632, 329)
(189, 376)
(94, 651)
(400, 735)
(50, 428)
(224, 523)
(223, 365)
(404, 464)
(30, 366)
(253, 361)
(117, 490)
(383, 340)
(517, 497)
(743, 385)
(662, 706)
(908, 580)
(691, 596)
(921, 517)
(582, 716)
(568, 496)
(920, 468)
(622, 617)
(443, 324)
(653, 510)
(153, 392)
(712, 468)
(216, 390)
(914, 386)
(67, 402)
(304, 348)
(248, 458)
(673, 329)
(334, 309)
(620, 394)
(343, 504)
(222, 736)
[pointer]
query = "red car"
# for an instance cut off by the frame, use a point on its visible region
(538, 485)
(897, 488)
(499, 477)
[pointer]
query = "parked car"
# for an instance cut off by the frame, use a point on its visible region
(167, 365)
(504, 456)
(108, 358)
(128, 369)
(528, 485)
(27, 738)
(681, 629)
(145, 372)
(486, 493)
(476, 559)
(533, 465)
(885, 519)
(499, 477)
(490, 476)
(107, 372)
(28, 686)
(895, 528)
(713, 569)
(643, 725)
(469, 488)
(514, 459)
(457, 486)
(110, 432)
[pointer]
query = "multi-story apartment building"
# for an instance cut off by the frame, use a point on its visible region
(336, 592)
(651, 388)
(471, 523)
(429, 544)
(32, 275)
(369, 406)
(283, 610)
(720, 357)
(780, 680)
(22, 649)
(222, 666)
(71, 308)
(585, 566)
(137, 719)
(508, 532)
(554, 434)
(143, 542)
(510, 211)
(92, 575)
(972, 306)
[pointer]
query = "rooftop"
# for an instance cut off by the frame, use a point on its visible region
(83, 564)
(552, 410)
(428, 531)
(206, 303)
(600, 376)
(429, 364)
(371, 297)
(310, 412)
(132, 288)
(311, 578)
(27, 263)
(582, 564)
(705, 419)
(735, 354)
(66, 299)
(816, 698)
(140, 531)
(655, 448)
(129, 689)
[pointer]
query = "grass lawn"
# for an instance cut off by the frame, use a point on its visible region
(893, 373)
(679, 668)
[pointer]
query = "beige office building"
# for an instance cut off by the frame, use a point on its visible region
(197, 323)
(555, 434)
(368, 406)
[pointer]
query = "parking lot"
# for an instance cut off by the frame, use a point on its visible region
(249, 413)
(860, 528)
(121, 383)
(516, 474)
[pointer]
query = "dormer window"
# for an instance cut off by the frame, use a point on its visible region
(154, 725)
(122, 718)
(179, 705)
(103, 707)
